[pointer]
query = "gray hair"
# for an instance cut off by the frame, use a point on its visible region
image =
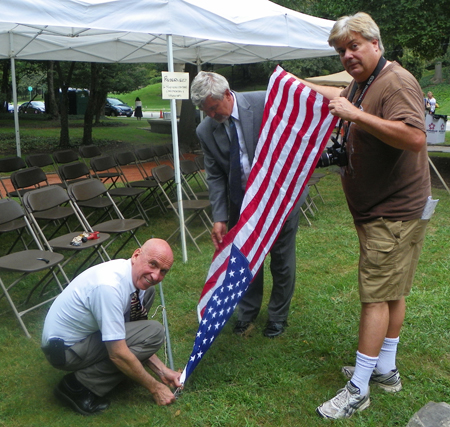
(361, 23)
(208, 84)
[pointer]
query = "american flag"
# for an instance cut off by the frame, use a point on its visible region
(295, 129)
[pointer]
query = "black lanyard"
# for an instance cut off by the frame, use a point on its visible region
(381, 63)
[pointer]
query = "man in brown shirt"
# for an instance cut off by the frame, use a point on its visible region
(387, 184)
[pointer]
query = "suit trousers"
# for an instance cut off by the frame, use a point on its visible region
(90, 361)
(283, 270)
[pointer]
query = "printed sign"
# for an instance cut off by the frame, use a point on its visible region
(175, 85)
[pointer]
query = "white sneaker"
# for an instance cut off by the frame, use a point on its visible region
(347, 401)
(389, 382)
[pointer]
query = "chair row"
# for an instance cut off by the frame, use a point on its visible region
(140, 195)
(36, 218)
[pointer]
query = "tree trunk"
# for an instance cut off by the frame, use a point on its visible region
(64, 140)
(187, 138)
(90, 109)
(438, 73)
(51, 105)
(100, 101)
(5, 91)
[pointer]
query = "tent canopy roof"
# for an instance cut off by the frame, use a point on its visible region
(135, 31)
(342, 79)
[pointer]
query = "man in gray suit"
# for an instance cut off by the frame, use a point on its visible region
(243, 111)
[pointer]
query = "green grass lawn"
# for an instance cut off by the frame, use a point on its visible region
(151, 97)
(255, 381)
(42, 135)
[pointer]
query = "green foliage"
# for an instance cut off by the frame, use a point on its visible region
(313, 67)
(420, 25)
(412, 63)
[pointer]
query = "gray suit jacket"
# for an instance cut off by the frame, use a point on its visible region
(216, 148)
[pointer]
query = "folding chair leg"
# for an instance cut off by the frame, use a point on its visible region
(306, 216)
(16, 313)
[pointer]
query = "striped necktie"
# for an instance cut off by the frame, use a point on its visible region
(137, 312)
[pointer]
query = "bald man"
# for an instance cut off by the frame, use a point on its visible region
(97, 328)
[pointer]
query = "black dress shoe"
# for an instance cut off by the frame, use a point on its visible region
(273, 329)
(80, 398)
(240, 328)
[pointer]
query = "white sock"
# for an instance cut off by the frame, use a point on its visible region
(363, 370)
(386, 359)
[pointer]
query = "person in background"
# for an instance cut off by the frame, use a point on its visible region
(97, 328)
(211, 93)
(138, 108)
(431, 103)
(387, 184)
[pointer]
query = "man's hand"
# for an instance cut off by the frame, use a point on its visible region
(162, 395)
(343, 108)
(218, 232)
(170, 378)
(130, 365)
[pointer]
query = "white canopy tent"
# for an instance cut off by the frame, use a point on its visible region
(342, 79)
(172, 31)
(234, 32)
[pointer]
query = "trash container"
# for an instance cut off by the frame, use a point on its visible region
(436, 126)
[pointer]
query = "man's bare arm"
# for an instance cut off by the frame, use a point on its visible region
(392, 132)
(129, 364)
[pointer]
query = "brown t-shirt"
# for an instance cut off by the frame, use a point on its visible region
(383, 181)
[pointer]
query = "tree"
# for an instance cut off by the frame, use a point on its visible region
(104, 79)
(187, 137)
(423, 26)
(5, 89)
(65, 73)
(51, 104)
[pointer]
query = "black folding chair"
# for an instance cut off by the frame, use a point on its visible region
(32, 178)
(91, 151)
(24, 263)
(45, 199)
(8, 165)
(148, 183)
(45, 161)
(165, 176)
(88, 190)
(130, 196)
(191, 175)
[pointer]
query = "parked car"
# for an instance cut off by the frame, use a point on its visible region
(116, 107)
(32, 107)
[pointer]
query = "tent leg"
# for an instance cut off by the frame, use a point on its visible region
(16, 112)
(176, 156)
(439, 175)
(166, 328)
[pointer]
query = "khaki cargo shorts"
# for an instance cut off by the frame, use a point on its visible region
(389, 253)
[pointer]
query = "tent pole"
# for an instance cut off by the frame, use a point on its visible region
(439, 175)
(166, 327)
(14, 91)
(199, 68)
(176, 156)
